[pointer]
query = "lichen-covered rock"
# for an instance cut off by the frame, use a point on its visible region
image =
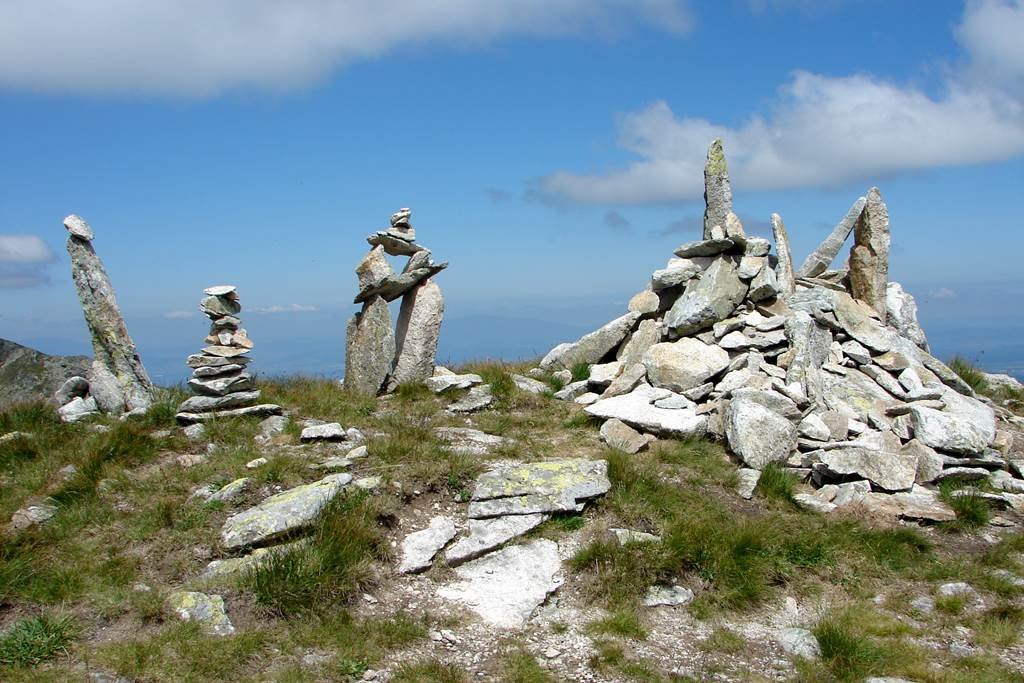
(282, 513)
(709, 299)
(207, 610)
(757, 435)
(717, 189)
(869, 258)
(528, 488)
(369, 348)
(646, 335)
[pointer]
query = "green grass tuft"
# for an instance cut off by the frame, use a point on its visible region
(519, 666)
(430, 671)
(776, 483)
(622, 622)
(580, 372)
(35, 639)
(969, 373)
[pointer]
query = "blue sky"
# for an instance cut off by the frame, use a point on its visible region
(551, 151)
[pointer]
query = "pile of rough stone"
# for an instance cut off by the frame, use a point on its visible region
(220, 382)
(822, 370)
(377, 357)
(116, 382)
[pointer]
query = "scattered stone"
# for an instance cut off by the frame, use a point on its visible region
(32, 515)
(487, 534)
(194, 432)
(626, 536)
(419, 547)
(330, 431)
(478, 398)
(622, 437)
(255, 463)
(77, 409)
(230, 491)
(505, 587)
(813, 503)
(466, 441)
(207, 610)
(441, 383)
(799, 642)
(746, 482)
(529, 488)
(529, 385)
(667, 596)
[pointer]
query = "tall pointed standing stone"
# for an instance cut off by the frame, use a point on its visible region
(113, 348)
(417, 332)
(717, 191)
(369, 348)
(821, 258)
(784, 269)
(869, 258)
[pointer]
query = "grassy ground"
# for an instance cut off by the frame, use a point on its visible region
(85, 592)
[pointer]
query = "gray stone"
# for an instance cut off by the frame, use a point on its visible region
(750, 266)
(529, 385)
(282, 513)
(330, 431)
(717, 189)
(644, 302)
(200, 404)
(626, 381)
(395, 286)
(734, 230)
(77, 226)
(548, 486)
(707, 300)
(637, 410)
(505, 587)
(194, 432)
(73, 387)
(708, 247)
(821, 258)
(232, 353)
(216, 307)
(394, 243)
(856, 321)
(929, 463)
(369, 348)
(476, 399)
(799, 642)
(813, 427)
(626, 536)
(855, 395)
(373, 269)
(230, 491)
(675, 402)
(919, 505)
(199, 360)
(112, 346)
(590, 348)
(684, 364)
(261, 410)
(851, 493)
(235, 566)
(784, 268)
(587, 399)
(273, 425)
(757, 435)
(667, 596)
(892, 471)
(466, 441)
(698, 393)
(950, 432)
(746, 482)
(77, 409)
(602, 374)
(965, 473)
(441, 383)
(218, 370)
(738, 341)
(677, 272)
(221, 385)
(207, 610)
(572, 391)
(810, 345)
(646, 335)
(487, 534)
(622, 437)
(869, 257)
(32, 515)
(813, 503)
(901, 313)
(764, 285)
(417, 333)
(222, 290)
(419, 547)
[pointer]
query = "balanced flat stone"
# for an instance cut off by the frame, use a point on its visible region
(369, 348)
(417, 333)
(394, 244)
(677, 272)
(419, 547)
(221, 385)
(220, 290)
(590, 348)
(637, 409)
(198, 404)
(261, 410)
(717, 189)
(199, 360)
(487, 534)
(111, 344)
(819, 260)
(395, 286)
(282, 513)
(892, 471)
(706, 247)
(505, 587)
(548, 486)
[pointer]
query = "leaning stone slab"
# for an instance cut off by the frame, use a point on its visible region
(395, 286)
(708, 300)
(528, 488)
(646, 335)
(637, 409)
(281, 513)
(417, 334)
(369, 348)
(590, 348)
(708, 247)
(419, 547)
(207, 610)
(869, 258)
(487, 534)
(821, 258)
(478, 398)
(112, 346)
(505, 587)
(746, 482)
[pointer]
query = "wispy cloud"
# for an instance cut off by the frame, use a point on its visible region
(179, 315)
(23, 261)
(825, 131)
(617, 222)
(942, 293)
(290, 308)
(201, 48)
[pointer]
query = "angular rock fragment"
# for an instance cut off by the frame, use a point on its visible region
(590, 348)
(901, 313)
(684, 364)
(529, 488)
(419, 547)
(758, 435)
(476, 399)
(821, 258)
(487, 534)
(717, 189)
(466, 441)
(784, 269)
(637, 409)
(622, 437)
(892, 471)
(708, 300)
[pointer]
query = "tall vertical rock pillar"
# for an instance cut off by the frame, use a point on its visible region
(869, 258)
(120, 380)
(717, 190)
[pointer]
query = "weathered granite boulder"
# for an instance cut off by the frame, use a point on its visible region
(646, 335)
(417, 333)
(683, 364)
(112, 346)
(282, 513)
(757, 435)
(622, 437)
(370, 348)
(901, 313)
(590, 348)
(869, 258)
(892, 471)
(707, 300)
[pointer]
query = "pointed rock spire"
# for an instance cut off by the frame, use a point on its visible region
(784, 269)
(869, 258)
(717, 191)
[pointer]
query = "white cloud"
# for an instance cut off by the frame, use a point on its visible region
(290, 308)
(202, 47)
(942, 293)
(824, 131)
(23, 261)
(179, 315)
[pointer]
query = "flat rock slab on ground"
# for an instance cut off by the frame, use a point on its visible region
(282, 513)
(505, 587)
(487, 534)
(667, 596)
(529, 488)
(207, 610)
(467, 441)
(637, 409)
(419, 547)
(478, 398)
(332, 431)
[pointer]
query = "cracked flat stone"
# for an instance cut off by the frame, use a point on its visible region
(467, 441)
(487, 534)
(528, 488)
(505, 587)
(637, 409)
(478, 398)
(441, 383)
(419, 547)
(282, 513)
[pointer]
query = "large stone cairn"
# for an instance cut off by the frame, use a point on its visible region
(117, 382)
(376, 356)
(220, 381)
(823, 371)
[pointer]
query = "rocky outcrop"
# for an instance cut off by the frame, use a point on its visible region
(113, 348)
(28, 376)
